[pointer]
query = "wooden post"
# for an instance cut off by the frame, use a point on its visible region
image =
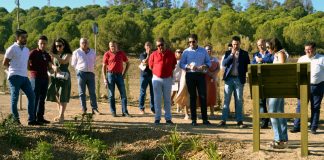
(304, 119)
(256, 118)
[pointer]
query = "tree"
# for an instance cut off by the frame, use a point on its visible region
(291, 4)
(121, 29)
(201, 5)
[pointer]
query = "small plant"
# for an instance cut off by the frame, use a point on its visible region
(175, 138)
(212, 152)
(194, 143)
(43, 151)
(10, 130)
(96, 150)
(117, 149)
(172, 151)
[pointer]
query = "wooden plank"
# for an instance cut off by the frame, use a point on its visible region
(256, 118)
(281, 86)
(280, 115)
(304, 119)
(280, 93)
(279, 79)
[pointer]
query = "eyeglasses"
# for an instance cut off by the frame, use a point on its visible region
(160, 45)
(192, 42)
(58, 46)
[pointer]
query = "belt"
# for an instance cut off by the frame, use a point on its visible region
(112, 72)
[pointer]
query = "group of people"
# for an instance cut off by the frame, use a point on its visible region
(186, 78)
(273, 52)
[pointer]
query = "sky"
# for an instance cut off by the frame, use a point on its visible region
(26, 4)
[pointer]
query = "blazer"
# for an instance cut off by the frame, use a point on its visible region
(243, 62)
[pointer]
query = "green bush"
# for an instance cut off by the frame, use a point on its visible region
(11, 131)
(212, 152)
(43, 151)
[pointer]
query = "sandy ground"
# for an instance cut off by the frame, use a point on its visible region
(316, 142)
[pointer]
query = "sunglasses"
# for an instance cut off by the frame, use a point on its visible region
(160, 45)
(192, 42)
(58, 46)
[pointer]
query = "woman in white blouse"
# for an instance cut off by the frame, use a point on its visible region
(276, 105)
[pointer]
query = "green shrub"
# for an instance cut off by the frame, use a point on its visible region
(43, 151)
(194, 143)
(212, 152)
(11, 131)
(172, 151)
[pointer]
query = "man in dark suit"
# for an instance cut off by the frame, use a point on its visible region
(235, 62)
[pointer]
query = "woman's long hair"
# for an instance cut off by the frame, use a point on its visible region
(275, 45)
(66, 45)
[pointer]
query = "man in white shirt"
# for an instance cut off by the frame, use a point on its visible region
(16, 60)
(316, 88)
(83, 60)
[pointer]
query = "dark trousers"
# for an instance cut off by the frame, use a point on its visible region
(40, 89)
(263, 109)
(316, 97)
(196, 82)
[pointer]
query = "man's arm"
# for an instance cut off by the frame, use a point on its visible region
(254, 58)
(126, 69)
(6, 62)
(228, 60)
(104, 74)
(183, 61)
(74, 59)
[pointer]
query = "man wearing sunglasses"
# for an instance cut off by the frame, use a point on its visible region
(162, 63)
(195, 60)
(235, 62)
(16, 60)
(262, 56)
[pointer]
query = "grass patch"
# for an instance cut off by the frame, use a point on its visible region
(43, 151)
(11, 131)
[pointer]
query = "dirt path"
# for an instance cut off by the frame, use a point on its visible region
(316, 142)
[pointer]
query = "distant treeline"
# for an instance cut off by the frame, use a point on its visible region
(131, 25)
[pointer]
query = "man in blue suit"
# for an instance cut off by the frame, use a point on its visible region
(235, 62)
(262, 56)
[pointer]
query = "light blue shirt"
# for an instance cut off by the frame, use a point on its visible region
(197, 56)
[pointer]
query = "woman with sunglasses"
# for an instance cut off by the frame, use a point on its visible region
(60, 87)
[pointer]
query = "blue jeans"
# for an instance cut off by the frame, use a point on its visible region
(16, 83)
(117, 79)
(233, 84)
(146, 81)
(87, 79)
(162, 87)
(316, 97)
(39, 86)
(279, 125)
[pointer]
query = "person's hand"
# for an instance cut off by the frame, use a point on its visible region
(192, 67)
(259, 60)
(106, 83)
(202, 67)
